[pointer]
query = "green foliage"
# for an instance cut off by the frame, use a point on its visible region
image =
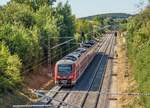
(84, 26)
(99, 20)
(139, 51)
(66, 23)
(19, 42)
(67, 20)
(46, 24)
(109, 15)
(35, 4)
(10, 66)
(25, 28)
(122, 24)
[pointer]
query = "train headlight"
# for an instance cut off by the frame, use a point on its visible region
(71, 76)
(58, 77)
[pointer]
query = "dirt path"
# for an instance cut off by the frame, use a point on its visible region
(119, 81)
(39, 80)
(121, 68)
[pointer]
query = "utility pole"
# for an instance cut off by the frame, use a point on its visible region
(49, 53)
(49, 57)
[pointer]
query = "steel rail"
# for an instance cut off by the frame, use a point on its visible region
(52, 98)
(101, 77)
(48, 96)
(111, 71)
(96, 71)
(82, 92)
(66, 95)
(63, 99)
(100, 48)
(56, 93)
(103, 74)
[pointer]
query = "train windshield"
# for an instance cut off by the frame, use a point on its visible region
(64, 69)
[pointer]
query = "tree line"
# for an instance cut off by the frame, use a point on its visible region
(138, 38)
(25, 27)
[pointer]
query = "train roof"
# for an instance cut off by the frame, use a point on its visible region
(69, 59)
(77, 54)
(72, 57)
(65, 61)
(73, 54)
(80, 51)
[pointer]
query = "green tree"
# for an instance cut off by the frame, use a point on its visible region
(99, 20)
(85, 26)
(10, 66)
(47, 27)
(66, 22)
(138, 51)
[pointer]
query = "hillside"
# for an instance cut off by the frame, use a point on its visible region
(109, 15)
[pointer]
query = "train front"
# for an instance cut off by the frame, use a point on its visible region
(65, 72)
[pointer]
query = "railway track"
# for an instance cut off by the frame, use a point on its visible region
(108, 68)
(62, 96)
(86, 93)
(97, 83)
(91, 99)
(102, 96)
(80, 87)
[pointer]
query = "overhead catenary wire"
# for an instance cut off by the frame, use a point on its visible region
(104, 93)
(61, 44)
(44, 60)
(29, 67)
(66, 95)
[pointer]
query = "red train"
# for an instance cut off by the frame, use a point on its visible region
(69, 69)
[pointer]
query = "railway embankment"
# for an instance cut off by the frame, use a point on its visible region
(122, 81)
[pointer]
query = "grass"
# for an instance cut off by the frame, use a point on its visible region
(8, 100)
(141, 72)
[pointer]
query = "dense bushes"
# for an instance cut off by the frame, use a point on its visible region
(25, 27)
(10, 66)
(139, 51)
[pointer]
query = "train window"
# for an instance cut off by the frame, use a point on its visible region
(71, 58)
(64, 69)
(78, 54)
(87, 45)
(81, 50)
(115, 33)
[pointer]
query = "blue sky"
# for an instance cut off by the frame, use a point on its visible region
(2, 2)
(83, 8)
